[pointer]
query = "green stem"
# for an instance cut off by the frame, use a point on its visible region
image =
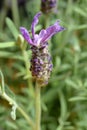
(38, 107)
(12, 102)
(46, 22)
(28, 119)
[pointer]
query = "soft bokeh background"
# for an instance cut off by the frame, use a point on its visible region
(64, 100)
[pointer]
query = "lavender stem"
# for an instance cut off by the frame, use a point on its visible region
(38, 107)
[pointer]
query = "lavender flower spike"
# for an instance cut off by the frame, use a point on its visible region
(41, 64)
(48, 6)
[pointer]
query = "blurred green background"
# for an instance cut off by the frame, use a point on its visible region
(64, 99)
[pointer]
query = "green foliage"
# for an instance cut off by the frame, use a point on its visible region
(64, 100)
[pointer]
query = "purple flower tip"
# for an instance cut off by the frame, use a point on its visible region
(50, 31)
(43, 36)
(25, 34)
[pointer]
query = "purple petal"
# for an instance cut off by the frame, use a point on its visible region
(45, 35)
(42, 33)
(26, 35)
(34, 22)
(35, 41)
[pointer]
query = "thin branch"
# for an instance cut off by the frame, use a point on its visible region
(12, 102)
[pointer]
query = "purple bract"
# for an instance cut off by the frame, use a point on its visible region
(43, 36)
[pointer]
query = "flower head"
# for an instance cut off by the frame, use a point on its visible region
(48, 6)
(41, 64)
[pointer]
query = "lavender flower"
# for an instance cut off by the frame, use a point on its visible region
(48, 6)
(41, 63)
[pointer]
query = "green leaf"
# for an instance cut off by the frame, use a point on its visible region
(78, 98)
(63, 104)
(12, 28)
(5, 54)
(80, 11)
(2, 82)
(7, 44)
(11, 125)
(71, 83)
